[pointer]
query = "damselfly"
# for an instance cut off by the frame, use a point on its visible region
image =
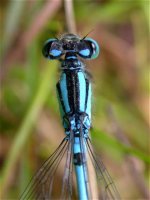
(75, 153)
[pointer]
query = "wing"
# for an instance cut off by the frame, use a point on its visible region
(106, 189)
(47, 184)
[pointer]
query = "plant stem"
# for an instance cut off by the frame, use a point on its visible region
(27, 124)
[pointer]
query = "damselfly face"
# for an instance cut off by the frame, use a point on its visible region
(86, 48)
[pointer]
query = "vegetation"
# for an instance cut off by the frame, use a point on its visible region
(30, 122)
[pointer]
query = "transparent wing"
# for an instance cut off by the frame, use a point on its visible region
(48, 183)
(106, 189)
(66, 192)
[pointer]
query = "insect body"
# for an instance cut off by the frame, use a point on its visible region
(74, 95)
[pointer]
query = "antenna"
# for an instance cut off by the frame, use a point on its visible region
(87, 34)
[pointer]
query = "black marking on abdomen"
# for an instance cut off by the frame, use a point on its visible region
(78, 159)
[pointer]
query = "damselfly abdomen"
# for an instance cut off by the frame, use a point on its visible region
(75, 153)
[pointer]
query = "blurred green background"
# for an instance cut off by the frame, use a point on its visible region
(30, 121)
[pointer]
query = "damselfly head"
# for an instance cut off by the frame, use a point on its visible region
(86, 48)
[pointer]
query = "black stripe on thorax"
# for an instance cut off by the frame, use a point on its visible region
(73, 90)
(60, 97)
(87, 93)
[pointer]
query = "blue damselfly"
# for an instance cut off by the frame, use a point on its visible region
(75, 151)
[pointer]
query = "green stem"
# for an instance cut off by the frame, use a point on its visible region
(119, 146)
(27, 124)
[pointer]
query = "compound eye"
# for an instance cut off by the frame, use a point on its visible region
(55, 52)
(85, 52)
(88, 48)
(52, 49)
(84, 49)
